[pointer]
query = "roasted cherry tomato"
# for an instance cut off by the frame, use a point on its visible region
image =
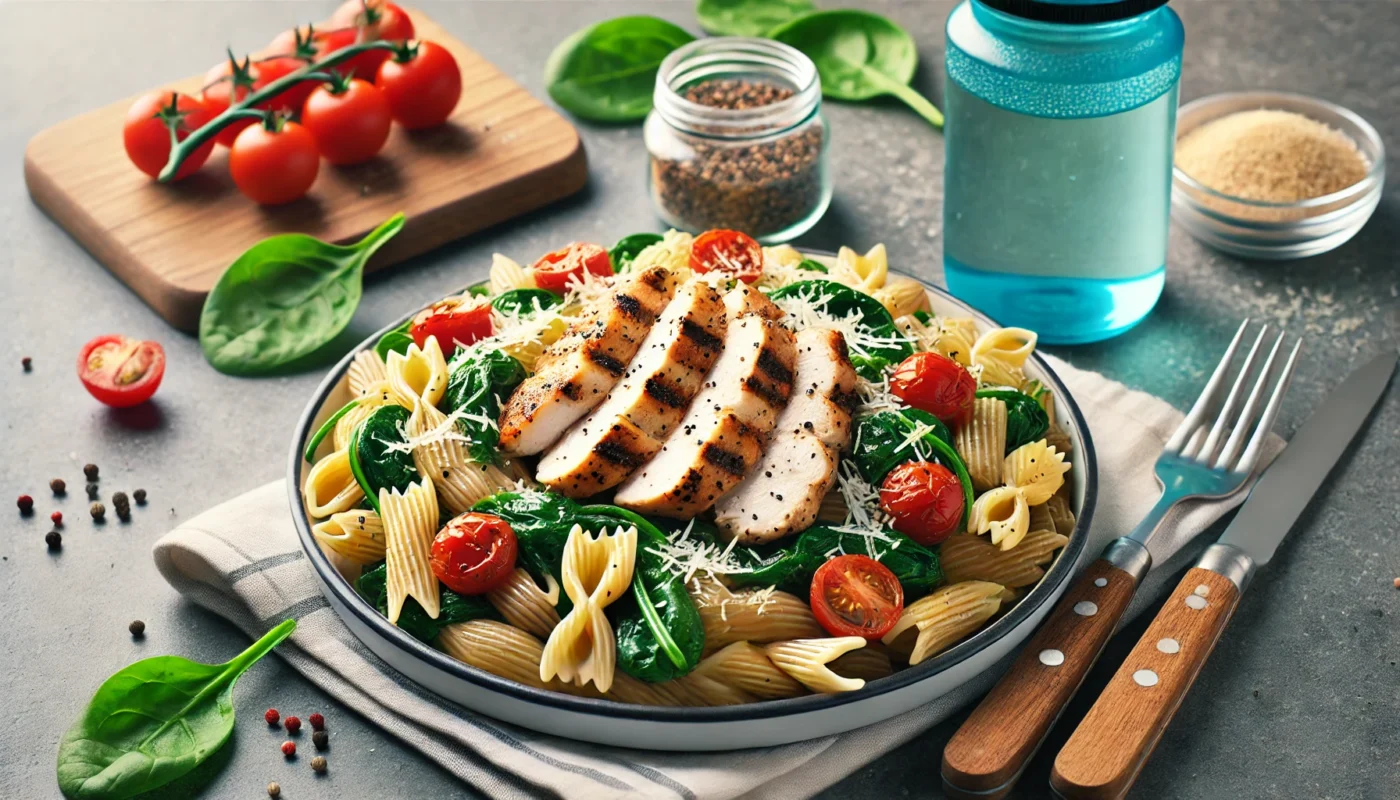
(372, 21)
(937, 384)
(856, 596)
(121, 372)
(454, 321)
(730, 252)
(147, 139)
(423, 89)
(274, 163)
(925, 499)
(350, 120)
(474, 553)
(554, 270)
(226, 84)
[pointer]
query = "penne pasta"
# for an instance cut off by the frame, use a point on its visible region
(525, 605)
(943, 618)
(982, 443)
(806, 661)
(869, 663)
(495, 647)
(971, 558)
(357, 534)
(410, 522)
(747, 667)
(1058, 509)
(330, 487)
(762, 615)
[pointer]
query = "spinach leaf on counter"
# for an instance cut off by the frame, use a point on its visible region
(1026, 420)
(839, 300)
(878, 447)
(413, 620)
(748, 17)
(607, 72)
(153, 722)
(395, 341)
(859, 56)
(372, 462)
(523, 302)
(629, 247)
(791, 564)
(284, 298)
(477, 382)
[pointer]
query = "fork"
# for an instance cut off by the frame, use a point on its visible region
(1207, 457)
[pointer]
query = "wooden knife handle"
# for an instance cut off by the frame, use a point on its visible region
(1105, 753)
(989, 751)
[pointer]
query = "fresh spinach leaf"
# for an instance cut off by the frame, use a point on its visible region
(524, 302)
(413, 620)
(859, 55)
(813, 266)
(482, 289)
(748, 17)
(372, 462)
(878, 447)
(607, 72)
(154, 721)
(285, 297)
(322, 432)
(395, 341)
(629, 247)
(923, 316)
(638, 652)
(1026, 420)
(476, 382)
(886, 344)
(791, 564)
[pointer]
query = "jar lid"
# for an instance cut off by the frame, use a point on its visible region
(1074, 12)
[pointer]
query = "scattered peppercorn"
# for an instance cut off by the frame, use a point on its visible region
(289, 749)
(318, 722)
(272, 716)
(57, 518)
(321, 739)
(54, 540)
(58, 487)
(98, 511)
(90, 470)
(120, 499)
(1397, 583)
(122, 506)
(273, 790)
(137, 628)
(139, 496)
(293, 724)
(319, 763)
(26, 504)
(92, 491)
(27, 363)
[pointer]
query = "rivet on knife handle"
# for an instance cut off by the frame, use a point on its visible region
(988, 752)
(1107, 750)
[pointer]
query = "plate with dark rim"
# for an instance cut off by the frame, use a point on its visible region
(760, 724)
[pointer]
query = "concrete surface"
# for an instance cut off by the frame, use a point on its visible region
(1300, 699)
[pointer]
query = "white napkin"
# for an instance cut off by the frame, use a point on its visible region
(242, 561)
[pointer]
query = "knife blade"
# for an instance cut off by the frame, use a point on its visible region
(1290, 482)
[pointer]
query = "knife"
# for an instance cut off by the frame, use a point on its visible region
(1114, 740)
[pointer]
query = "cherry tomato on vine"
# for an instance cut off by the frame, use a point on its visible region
(856, 596)
(274, 163)
(454, 321)
(291, 100)
(121, 372)
(474, 553)
(350, 120)
(553, 270)
(937, 384)
(372, 21)
(423, 85)
(731, 252)
(925, 500)
(147, 137)
(226, 84)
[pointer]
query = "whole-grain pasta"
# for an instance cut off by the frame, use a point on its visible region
(965, 557)
(869, 663)
(525, 605)
(751, 615)
(410, 522)
(747, 667)
(946, 616)
(807, 660)
(982, 443)
(1060, 513)
(357, 534)
(495, 647)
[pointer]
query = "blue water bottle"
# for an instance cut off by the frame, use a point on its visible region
(1061, 116)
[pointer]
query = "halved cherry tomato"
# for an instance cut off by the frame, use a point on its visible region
(554, 270)
(937, 384)
(372, 21)
(226, 84)
(121, 372)
(423, 90)
(276, 164)
(474, 553)
(454, 321)
(925, 501)
(350, 120)
(856, 596)
(147, 139)
(730, 252)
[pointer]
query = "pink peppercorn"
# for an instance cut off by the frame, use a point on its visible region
(272, 716)
(26, 504)
(293, 724)
(57, 517)
(318, 722)
(289, 749)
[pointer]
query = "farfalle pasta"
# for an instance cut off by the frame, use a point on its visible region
(595, 573)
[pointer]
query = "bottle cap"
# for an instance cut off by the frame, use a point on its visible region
(1074, 12)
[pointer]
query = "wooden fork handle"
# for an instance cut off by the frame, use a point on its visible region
(1105, 753)
(989, 751)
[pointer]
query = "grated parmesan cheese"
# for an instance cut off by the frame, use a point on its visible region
(686, 557)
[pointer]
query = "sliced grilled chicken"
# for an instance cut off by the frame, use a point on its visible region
(783, 494)
(603, 448)
(575, 373)
(745, 299)
(721, 437)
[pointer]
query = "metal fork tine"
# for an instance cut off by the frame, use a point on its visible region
(1198, 412)
(1245, 423)
(1227, 411)
(1250, 458)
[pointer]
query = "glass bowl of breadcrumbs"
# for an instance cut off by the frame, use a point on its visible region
(1274, 175)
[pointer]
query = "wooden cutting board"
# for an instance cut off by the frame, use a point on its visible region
(502, 154)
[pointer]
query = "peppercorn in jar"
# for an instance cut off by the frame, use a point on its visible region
(736, 139)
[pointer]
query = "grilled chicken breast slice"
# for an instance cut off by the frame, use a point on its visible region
(721, 436)
(745, 299)
(576, 373)
(603, 448)
(783, 494)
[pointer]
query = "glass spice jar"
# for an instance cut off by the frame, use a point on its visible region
(736, 139)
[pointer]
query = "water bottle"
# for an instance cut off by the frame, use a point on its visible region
(1061, 116)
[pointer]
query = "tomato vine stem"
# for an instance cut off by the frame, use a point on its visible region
(243, 108)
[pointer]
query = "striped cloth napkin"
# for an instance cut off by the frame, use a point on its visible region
(242, 560)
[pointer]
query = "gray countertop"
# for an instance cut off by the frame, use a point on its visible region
(1300, 699)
